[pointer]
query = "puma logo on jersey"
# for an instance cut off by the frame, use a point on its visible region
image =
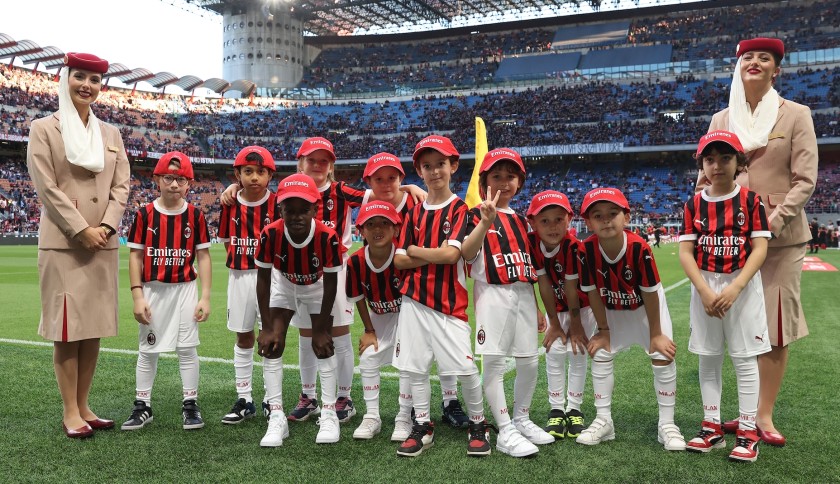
(367, 286)
(417, 229)
(235, 221)
(281, 257)
(647, 257)
(701, 222)
(497, 232)
(581, 258)
(154, 231)
(603, 273)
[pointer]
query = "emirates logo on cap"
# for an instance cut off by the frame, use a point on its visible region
(295, 183)
(368, 208)
(380, 158)
(549, 195)
(431, 140)
(321, 142)
(495, 153)
(601, 191)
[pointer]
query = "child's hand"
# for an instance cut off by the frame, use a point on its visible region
(228, 197)
(553, 332)
(368, 339)
(270, 344)
(726, 299)
(322, 344)
(708, 297)
(601, 341)
(488, 206)
(542, 325)
(663, 345)
(202, 311)
(142, 311)
(577, 336)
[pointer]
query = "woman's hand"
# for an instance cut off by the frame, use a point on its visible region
(92, 238)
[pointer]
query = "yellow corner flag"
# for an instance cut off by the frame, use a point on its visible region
(473, 196)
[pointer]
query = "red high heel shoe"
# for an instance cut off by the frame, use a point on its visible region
(100, 424)
(79, 433)
(772, 438)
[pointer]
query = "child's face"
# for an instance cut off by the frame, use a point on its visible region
(172, 187)
(379, 232)
(720, 168)
(606, 219)
(297, 214)
(503, 178)
(385, 183)
(253, 178)
(318, 165)
(551, 225)
(435, 169)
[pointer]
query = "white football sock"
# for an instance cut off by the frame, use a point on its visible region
(711, 385)
(494, 389)
(746, 373)
(578, 364)
(243, 367)
(665, 384)
(524, 386)
(471, 388)
(603, 381)
(308, 367)
(406, 400)
(188, 365)
(555, 372)
(344, 356)
(273, 377)
(421, 391)
(448, 388)
(369, 371)
(327, 367)
(145, 373)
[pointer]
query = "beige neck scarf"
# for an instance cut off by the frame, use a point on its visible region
(82, 144)
(752, 128)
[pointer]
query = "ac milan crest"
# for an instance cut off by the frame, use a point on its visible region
(330, 204)
(151, 339)
(742, 219)
(396, 282)
(481, 337)
(446, 227)
(628, 274)
(558, 267)
(267, 221)
(187, 232)
(315, 262)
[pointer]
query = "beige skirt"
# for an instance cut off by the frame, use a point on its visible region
(78, 294)
(781, 275)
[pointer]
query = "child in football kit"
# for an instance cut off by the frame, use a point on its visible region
(372, 280)
(619, 275)
(498, 252)
(240, 225)
(723, 244)
(166, 238)
(299, 259)
(384, 174)
(433, 321)
(570, 319)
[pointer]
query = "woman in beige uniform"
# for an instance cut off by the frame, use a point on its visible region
(81, 174)
(778, 137)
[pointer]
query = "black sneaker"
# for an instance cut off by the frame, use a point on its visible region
(477, 444)
(422, 437)
(192, 415)
(140, 416)
(556, 425)
(266, 409)
(574, 423)
(240, 411)
(306, 406)
(344, 409)
(454, 415)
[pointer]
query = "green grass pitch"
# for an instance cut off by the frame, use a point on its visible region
(33, 448)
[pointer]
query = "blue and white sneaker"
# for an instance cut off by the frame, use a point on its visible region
(241, 410)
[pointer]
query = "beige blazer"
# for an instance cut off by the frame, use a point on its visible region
(783, 173)
(74, 198)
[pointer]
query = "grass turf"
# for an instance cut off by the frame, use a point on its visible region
(34, 448)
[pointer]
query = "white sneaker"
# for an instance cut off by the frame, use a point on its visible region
(402, 428)
(533, 433)
(369, 427)
(278, 429)
(329, 432)
(513, 443)
(670, 436)
(601, 430)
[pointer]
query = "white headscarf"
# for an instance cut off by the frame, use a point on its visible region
(752, 128)
(82, 145)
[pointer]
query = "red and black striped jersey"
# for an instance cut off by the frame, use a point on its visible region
(334, 210)
(722, 228)
(302, 264)
(505, 256)
(560, 265)
(169, 240)
(240, 226)
(379, 285)
(619, 281)
(441, 287)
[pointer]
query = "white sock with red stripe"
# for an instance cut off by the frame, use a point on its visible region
(555, 372)
(421, 392)
(746, 373)
(308, 367)
(188, 365)
(369, 371)
(524, 386)
(328, 368)
(344, 357)
(665, 384)
(448, 387)
(578, 364)
(471, 388)
(406, 400)
(494, 389)
(273, 377)
(603, 381)
(711, 385)
(243, 367)
(145, 373)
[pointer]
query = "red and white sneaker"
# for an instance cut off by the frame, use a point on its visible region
(746, 447)
(710, 437)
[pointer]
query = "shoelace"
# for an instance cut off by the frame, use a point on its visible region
(341, 404)
(417, 433)
(705, 433)
(575, 420)
(303, 403)
(327, 424)
(275, 424)
(555, 421)
(744, 442)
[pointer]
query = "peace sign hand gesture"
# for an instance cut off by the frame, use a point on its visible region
(488, 206)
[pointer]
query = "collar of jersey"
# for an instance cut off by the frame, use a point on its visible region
(508, 210)
(551, 254)
(369, 193)
(170, 212)
(384, 266)
(326, 187)
(305, 242)
(721, 198)
(439, 206)
(252, 204)
(620, 254)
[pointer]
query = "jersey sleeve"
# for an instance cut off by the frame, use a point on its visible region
(353, 196)
(354, 282)
(333, 253)
(472, 219)
(586, 270)
(202, 232)
(648, 274)
(687, 231)
(406, 234)
(459, 225)
(224, 224)
(137, 232)
(266, 247)
(760, 227)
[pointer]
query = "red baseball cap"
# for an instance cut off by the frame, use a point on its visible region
(441, 144)
(162, 166)
(313, 144)
(267, 159)
(377, 209)
(549, 198)
(381, 160)
(88, 62)
(298, 186)
(494, 156)
(723, 136)
(767, 44)
(612, 195)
